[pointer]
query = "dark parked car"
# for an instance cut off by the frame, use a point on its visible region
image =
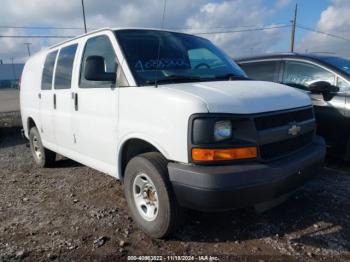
(325, 77)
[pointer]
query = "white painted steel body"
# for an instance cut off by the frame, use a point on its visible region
(108, 117)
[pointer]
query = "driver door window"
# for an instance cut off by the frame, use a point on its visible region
(98, 46)
(301, 75)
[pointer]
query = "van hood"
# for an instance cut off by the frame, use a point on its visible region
(243, 97)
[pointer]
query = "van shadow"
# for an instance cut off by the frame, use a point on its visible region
(337, 163)
(11, 136)
(66, 163)
(313, 217)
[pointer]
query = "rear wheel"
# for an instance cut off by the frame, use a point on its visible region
(149, 195)
(42, 156)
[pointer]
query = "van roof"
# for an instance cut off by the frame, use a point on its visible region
(45, 49)
(110, 29)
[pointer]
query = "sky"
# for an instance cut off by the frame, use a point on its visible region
(217, 20)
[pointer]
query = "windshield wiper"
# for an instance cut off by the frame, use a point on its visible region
(175, 79)
(231, 77)
(184, 78)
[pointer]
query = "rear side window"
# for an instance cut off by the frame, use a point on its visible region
(98, 46)
(265, 71)
(64, 67)
(46, 80)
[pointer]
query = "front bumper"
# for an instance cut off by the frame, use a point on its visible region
(214, 188)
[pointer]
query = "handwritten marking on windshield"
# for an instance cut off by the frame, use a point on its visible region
(163, 63)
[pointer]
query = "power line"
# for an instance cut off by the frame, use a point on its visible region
(41, 27)
(36, 36)
(197, 33)
(242, 30)
(322, 33)
(82, 28)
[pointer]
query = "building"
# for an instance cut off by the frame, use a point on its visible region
(10, 74)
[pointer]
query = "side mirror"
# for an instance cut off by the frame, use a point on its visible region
(322, 87)
(95, 70)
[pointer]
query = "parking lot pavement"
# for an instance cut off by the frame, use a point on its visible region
(9, 100)
(73, 212)
(9, 108)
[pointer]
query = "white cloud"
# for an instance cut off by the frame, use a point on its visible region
(282, 3)
(246, 13)
(334, 20)
(199, 14)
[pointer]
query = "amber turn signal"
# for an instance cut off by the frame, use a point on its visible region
(208, 154)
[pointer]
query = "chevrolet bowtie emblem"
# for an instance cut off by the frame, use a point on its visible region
(294, 130)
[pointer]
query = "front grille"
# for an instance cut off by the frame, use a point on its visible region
(284, 147)
(281, 119)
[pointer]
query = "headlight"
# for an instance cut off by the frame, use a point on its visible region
(221, 137)
(211, 130)
(222, 130)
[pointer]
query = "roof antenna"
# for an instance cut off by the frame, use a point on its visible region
(158, 52)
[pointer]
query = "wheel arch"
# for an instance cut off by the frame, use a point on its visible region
(30, 123)
(132, 147)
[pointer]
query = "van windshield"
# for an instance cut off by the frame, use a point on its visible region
(182, 58)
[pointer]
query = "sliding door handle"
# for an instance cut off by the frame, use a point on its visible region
(76, 107)
(54, 101)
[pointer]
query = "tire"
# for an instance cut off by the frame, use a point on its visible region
(42, 156)
(142, 173)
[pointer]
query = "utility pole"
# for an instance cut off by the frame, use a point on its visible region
(294, 22)
(28, 47)
(82, 4)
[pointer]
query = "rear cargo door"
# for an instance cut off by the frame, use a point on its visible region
(63, 100)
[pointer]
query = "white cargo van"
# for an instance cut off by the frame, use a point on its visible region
(172, 117)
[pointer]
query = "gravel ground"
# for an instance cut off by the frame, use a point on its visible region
(72, 212)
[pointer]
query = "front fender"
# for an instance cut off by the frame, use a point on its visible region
(148, 139)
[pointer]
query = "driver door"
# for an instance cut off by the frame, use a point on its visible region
(95, 115)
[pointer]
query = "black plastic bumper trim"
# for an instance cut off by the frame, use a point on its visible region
(213, 188)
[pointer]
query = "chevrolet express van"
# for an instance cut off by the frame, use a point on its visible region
(172, 117)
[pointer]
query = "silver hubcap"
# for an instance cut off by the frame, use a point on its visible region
(36, 147)
(145, 197)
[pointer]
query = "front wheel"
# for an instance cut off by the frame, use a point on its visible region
(42, 156)
(149, 195)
